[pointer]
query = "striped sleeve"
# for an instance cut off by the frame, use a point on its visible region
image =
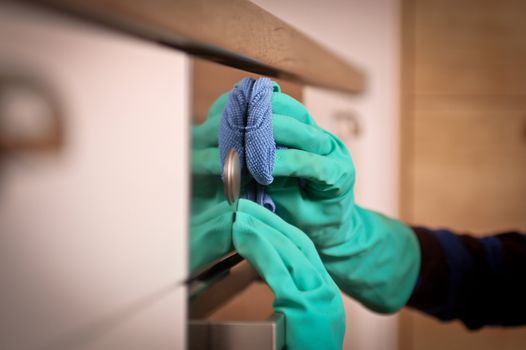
(479, 281)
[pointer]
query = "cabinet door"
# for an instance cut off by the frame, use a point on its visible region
(93, 238)
(464, 132)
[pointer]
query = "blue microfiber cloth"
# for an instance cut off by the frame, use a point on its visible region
(246, 126)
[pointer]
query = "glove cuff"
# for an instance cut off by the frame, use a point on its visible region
(379, 264)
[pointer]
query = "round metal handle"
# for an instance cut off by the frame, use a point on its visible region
(232, 176)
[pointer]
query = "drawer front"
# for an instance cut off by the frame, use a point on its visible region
(93, 231)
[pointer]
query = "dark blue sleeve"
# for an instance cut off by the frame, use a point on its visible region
(479, 281)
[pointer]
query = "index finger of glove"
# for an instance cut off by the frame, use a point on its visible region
(327, 172)
(293, 133)
(303, 289)
(286, 238)
(281, 264)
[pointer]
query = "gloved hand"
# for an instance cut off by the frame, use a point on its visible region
(373, 258)
(282, 254)
(287, 260)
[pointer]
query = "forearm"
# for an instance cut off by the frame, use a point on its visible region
(479, 281)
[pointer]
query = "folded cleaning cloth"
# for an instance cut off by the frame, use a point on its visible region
(246, 126)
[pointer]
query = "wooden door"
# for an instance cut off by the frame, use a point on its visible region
(464, 136)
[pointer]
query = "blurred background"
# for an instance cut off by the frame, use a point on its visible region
(94, 166)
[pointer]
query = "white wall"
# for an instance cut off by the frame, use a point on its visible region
(367, 34)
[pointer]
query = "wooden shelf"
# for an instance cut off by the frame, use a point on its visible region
(236, 33)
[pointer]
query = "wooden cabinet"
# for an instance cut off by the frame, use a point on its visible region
(93, 233)
(464, 137)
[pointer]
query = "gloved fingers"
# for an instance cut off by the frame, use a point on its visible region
(206, 161)
(324, 173)
(284, 104)
(326, 214)
(210, 235)
(294, 234)
(292, 133)
(303, 289)
(281, 263)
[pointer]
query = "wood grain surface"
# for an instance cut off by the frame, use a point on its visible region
(463, 137)
(234, 32)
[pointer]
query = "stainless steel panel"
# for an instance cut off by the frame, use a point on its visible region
(232, 335)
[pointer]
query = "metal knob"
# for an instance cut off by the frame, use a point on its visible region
(232, 176)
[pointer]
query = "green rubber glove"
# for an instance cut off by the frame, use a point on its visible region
(373, 258)
(287, 260)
